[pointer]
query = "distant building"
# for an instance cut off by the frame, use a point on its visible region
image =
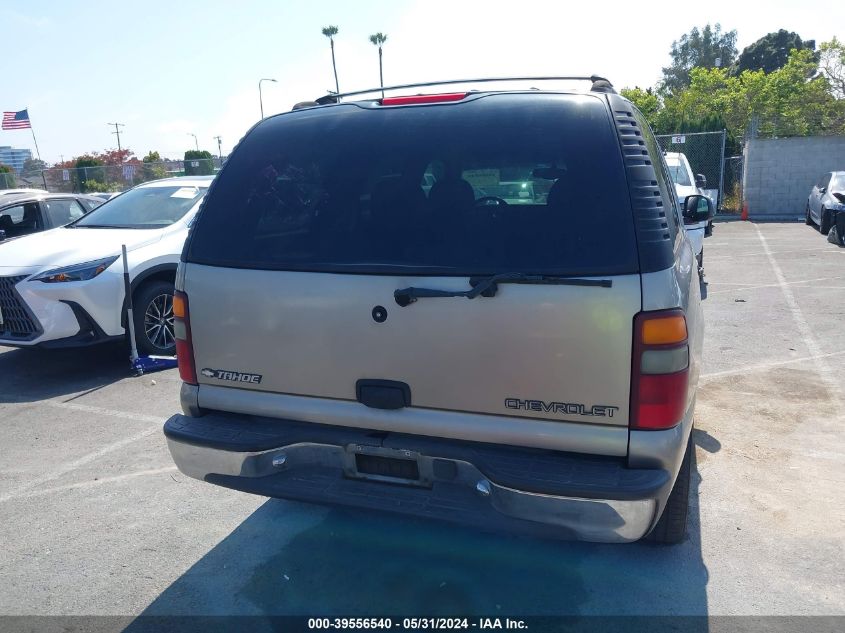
(14, 157)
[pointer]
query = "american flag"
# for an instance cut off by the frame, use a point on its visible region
(16, 120)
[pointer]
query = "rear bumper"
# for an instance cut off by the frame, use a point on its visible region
(566, 495)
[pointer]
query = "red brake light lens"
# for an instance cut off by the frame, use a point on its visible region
(661, 400)
(417, 99)
(182, 331)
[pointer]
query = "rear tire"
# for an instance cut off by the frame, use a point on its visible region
(826, 222)
(700, 260)
(808, 220)
(153, 316)
(671, 529)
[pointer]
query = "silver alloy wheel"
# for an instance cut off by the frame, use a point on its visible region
(158, 321)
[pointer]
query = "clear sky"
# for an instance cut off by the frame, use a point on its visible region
(167, 69)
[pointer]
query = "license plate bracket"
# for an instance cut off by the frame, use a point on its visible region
(388, 465)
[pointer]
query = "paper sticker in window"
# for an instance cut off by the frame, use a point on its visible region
(482, 177)
(186, 192)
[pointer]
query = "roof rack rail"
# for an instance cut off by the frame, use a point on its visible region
(335, 98)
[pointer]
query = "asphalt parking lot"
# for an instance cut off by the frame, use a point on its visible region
(96, 520)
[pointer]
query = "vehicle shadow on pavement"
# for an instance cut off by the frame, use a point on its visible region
(350, 562)
(30, 375)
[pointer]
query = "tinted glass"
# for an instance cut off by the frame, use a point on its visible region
(838, 183)
(500, 183)
(20, 219)
(145, 207)
(824, 180)
(678, 172)
(92, 203)
(15, 214)
(61, 212)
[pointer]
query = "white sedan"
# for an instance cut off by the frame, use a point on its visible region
(64, 287)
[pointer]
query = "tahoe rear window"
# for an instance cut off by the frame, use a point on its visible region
(499, 183)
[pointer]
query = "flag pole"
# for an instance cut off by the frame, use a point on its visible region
(37, 151)
(34, 140)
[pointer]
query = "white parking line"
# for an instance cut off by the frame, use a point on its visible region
(764, 366)
(767, 253)
(126, 415)
(804, 329)
(777, 285)
(92, 456)
(97, 482)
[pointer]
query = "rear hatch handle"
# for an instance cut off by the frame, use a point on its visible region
(488, 286)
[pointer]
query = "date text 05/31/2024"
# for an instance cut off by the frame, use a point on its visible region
(417, 624)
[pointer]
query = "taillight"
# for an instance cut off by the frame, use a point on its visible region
(415, 99)
(182, 333)
(660, 371)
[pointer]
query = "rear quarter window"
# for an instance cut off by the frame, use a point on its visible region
(497, 183)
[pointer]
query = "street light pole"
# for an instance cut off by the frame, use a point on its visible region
(117, 127)
(196, 142)
(260, 98)
(219, 149)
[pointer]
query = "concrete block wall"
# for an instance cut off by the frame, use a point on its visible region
(779, 173)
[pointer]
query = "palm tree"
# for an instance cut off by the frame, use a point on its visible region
(330, 32)
(378, 40)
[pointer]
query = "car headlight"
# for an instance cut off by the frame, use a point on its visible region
(77, 272)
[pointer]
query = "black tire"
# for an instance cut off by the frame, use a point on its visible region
(700, 260)
(671, 529)
(826, 222)
(153, 312)
(808, 220)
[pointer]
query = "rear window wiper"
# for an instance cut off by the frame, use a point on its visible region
(488, 286)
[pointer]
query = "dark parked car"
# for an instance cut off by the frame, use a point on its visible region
(827, 198)
(25, 213)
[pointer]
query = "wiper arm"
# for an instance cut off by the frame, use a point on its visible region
(488, 286)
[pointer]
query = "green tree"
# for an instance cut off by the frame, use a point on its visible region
(152, 168)
(781, 103)
(646, 101)
(88, 168)
(198, 163)
(330, 32)
(832, 66)
(698, 49)
(378, 39)
(33, 167)
(7, 177)
(771, 51)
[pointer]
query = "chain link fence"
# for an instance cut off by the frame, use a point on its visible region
(733, 180)
(107, 178)
(8, 181)
(705, 153)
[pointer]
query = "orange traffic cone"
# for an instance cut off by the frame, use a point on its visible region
(744, 214)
